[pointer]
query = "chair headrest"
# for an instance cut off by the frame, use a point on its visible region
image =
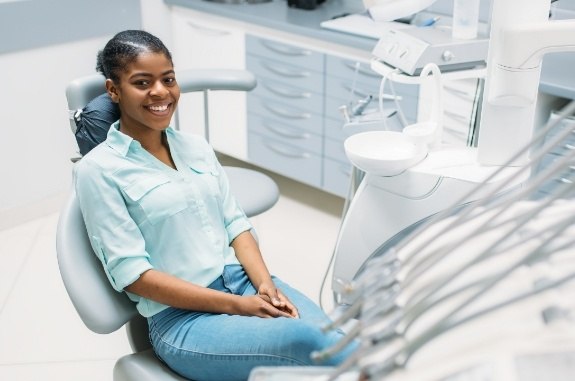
(93, 122)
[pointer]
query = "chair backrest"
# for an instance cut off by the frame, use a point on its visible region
(101, 308)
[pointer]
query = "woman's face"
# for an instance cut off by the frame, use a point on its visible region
(147, 93)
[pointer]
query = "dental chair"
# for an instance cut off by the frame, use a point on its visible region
(101, 308)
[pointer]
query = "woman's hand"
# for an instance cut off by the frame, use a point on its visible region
(278, 299)
(261, 306)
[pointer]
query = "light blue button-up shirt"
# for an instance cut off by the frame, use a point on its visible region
(141, 214)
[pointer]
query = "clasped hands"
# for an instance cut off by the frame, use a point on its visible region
(271, 302)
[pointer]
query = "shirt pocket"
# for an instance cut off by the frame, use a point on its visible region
(157, 196)
(210, 178)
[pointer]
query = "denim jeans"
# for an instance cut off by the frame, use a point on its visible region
(219, 347)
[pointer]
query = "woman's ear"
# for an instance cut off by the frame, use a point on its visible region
(112, 91)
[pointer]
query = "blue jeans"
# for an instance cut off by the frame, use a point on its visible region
(204, 346)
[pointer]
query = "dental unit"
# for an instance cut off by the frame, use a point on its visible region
(449, 174)
(448, 265)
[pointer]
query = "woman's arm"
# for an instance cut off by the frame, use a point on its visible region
(175, 292)
(249, 255)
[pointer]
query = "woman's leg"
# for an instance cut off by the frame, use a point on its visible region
(221, 347)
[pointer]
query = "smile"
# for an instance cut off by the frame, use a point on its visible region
(158, 108)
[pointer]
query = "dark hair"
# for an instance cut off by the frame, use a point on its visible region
(124, 48)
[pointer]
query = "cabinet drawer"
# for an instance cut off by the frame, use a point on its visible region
(549, 160)
(288, 114)
(563, 149)
(557, 185)
(336, 87)
(299, 76)
(289, 134)
(285, 53)
(292, 161)
(336, 177)
(334, 149)
(292, 95)
(567, 123)
(333, 128)
(345, 69)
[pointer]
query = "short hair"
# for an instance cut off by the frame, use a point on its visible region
(124, 48)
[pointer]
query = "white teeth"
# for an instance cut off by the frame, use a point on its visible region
(158, 108)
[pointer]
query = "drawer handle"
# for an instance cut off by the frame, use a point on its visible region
(209, 31)
(284, 92)
(456, 116)
(565, 181)
(282, 71)
(361, 70)
(281, 150)
(285, 132)
(285, 50)
(285, 113)
(570, 147)
(363, 94)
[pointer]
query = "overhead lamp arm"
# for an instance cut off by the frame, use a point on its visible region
(390, 10)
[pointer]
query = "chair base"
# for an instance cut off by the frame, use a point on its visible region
(144, 366)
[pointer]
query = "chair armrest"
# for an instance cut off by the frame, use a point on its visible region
(215, 79)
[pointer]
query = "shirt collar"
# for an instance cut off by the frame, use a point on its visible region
(121, 142)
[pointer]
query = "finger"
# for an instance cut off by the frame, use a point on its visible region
(275, 312)
(272, 293)
(289, 305)
(268, 299)
(293, 310)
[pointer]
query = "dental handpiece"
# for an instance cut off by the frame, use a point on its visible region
(361, 105)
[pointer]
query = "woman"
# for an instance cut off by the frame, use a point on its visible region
(161, 218)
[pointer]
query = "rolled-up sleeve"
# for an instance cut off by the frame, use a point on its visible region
(115, 237)
(235, 219)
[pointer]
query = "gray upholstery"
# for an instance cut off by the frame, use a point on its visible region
(143, 366)
(101, 308)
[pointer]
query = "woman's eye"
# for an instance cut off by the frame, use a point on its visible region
(170, 81)
(141, 83)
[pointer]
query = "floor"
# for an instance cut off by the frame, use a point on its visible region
(41, 334)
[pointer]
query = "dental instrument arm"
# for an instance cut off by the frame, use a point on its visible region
(467, 209)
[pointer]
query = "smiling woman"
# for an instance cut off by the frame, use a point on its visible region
(162, 220)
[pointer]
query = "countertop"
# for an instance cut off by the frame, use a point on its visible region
(556, 79)
(277, 15)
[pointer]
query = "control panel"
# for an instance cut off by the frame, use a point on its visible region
(410, 49)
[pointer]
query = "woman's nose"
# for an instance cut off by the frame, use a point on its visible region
(158, 89)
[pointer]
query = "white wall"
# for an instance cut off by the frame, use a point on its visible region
(156, 20)
(36, 142)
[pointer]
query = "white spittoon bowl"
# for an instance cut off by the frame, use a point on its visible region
(383, 153)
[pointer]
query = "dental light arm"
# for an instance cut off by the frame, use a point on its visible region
(520, 36)
(389, 10)
(526, 45)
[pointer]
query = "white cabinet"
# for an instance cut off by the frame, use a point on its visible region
(203, 42)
